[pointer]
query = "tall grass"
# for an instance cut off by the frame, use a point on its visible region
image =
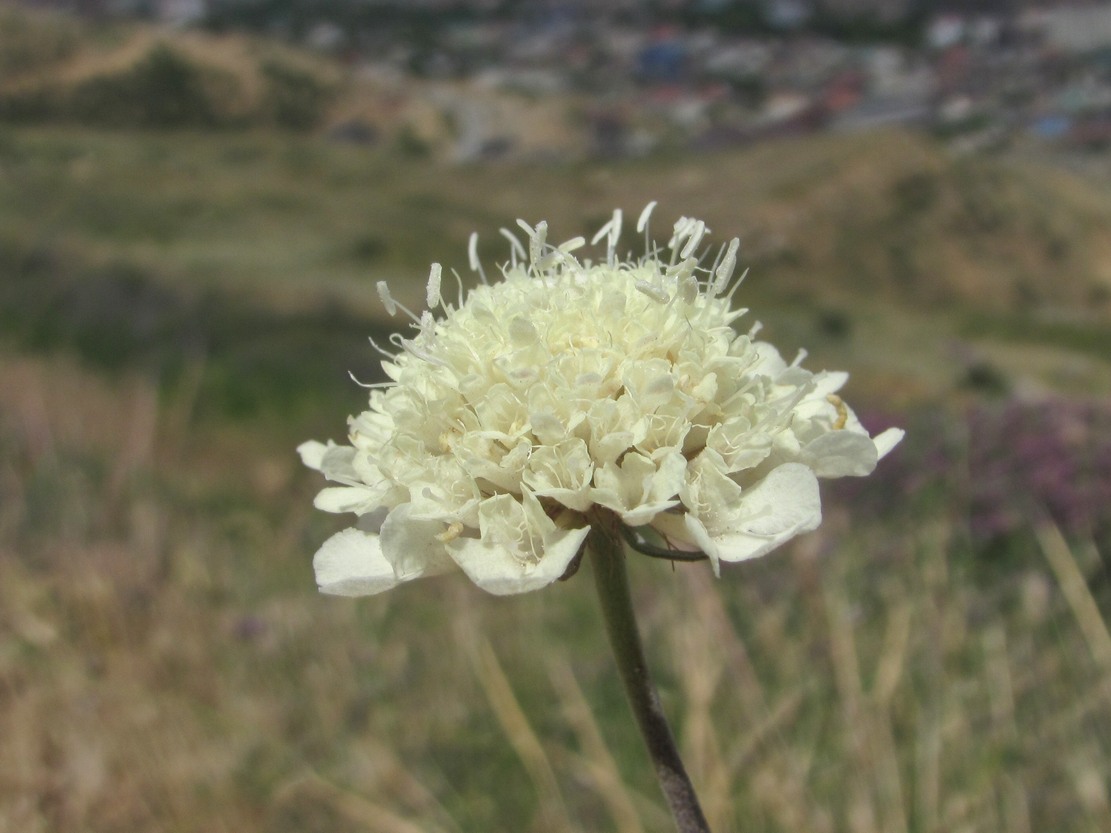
(166, 665)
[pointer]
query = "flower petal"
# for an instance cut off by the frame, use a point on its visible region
(828, 382)
(357, 499)
(312, 452)
(337, 463)
(413, 546)
(640, 488)
(561, 472)
(512, 555)
(350, 563)
(782, 505)
(840, 454)
(887, 440)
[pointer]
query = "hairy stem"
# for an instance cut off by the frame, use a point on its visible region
(612, 581)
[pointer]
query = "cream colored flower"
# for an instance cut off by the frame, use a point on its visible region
(571, 393)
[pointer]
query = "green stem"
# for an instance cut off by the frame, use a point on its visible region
(612, 581)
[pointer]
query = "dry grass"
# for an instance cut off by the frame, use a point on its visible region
(166, 665)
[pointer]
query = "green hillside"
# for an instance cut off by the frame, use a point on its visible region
(55, 69)
(838, 233)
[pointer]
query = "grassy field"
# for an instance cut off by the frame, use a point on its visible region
(179, 310)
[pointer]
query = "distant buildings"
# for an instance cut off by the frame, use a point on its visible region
(619, 81)
(1070, 29)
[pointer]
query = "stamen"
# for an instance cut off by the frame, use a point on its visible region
(547, 261)
(698, 231)
(736, 284)
(391, 304)
(842, 411)
(682, 270)
(472, 256)
(615, 234)
(516, 250)
(453, 531)
(688, 284)
(369, 384)
(387, 300)
(653, 292)
(602, 232)
(735, 314)
(459, 283)
(432, 294)
(680, 233)
(385, 353)
(422, 354)
(725, 269)
(650, 248)
(537, 241)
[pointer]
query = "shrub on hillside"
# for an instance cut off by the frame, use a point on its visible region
(294, 98)
(30, 105)
(31, 42)
(166, 89)
(163, 90)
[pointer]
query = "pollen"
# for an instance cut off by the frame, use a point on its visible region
(453, 531)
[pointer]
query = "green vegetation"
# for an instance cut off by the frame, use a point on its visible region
(162, 90)
(166, 89)
(127, 77)
(178, 310)
(29, 42)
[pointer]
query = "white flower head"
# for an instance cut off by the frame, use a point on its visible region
(572, 393)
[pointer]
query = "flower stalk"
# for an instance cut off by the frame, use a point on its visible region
(611, 579)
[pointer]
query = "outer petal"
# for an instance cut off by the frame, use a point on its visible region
(782, 505)
(357, 499)
(312, 453)
(338, 463)
(350, 563)
(829, 381)
(840, 454)
(887, 440)
(512, 556)
(412, 546)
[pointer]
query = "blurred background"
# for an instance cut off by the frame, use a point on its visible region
(196, 200)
